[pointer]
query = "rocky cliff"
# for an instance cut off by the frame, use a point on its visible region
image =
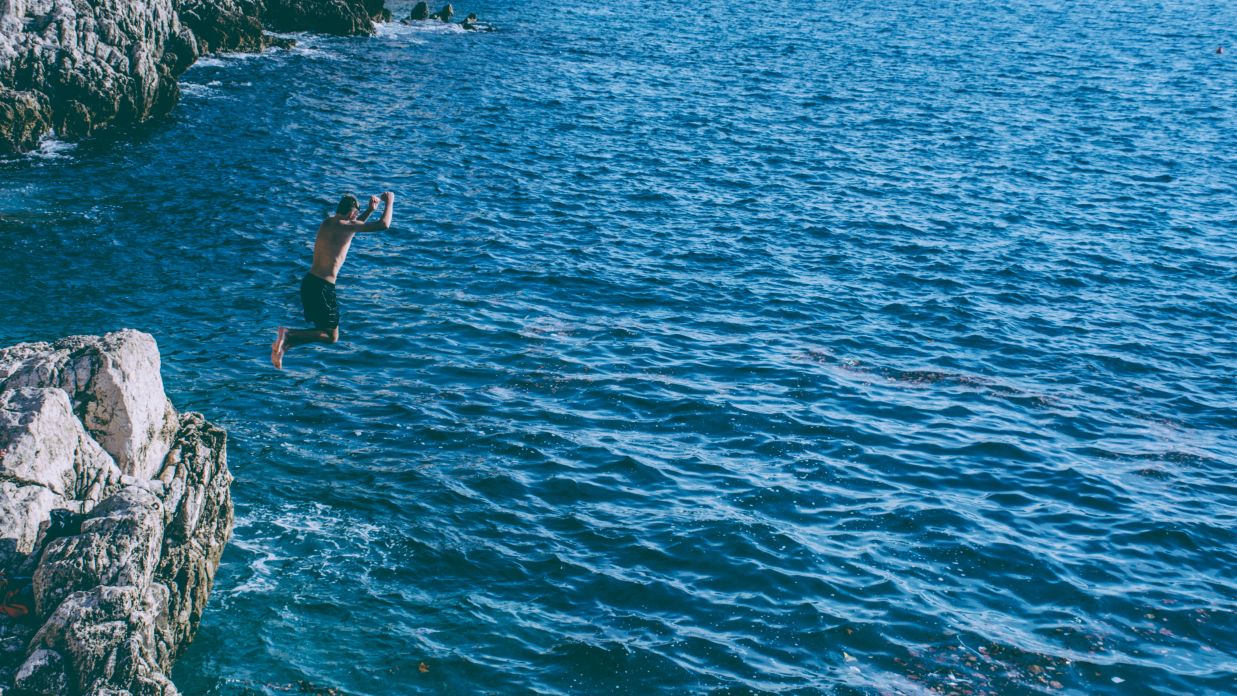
(78, 66)
(114, 511)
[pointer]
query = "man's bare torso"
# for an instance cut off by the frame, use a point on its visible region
(331, 248)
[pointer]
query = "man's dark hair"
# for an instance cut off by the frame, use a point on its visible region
(347, 204)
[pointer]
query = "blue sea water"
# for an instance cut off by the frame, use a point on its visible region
(792, 347)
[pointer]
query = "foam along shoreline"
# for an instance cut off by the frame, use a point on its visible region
(51, 148)
(114, 513)
(77, 69)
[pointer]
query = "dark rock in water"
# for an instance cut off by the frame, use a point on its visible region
(24, 118)
(471, 23)
(377, 10)
(223, 25)
(118, 506)
(444, 15)
(420, 11)
(79, 67)
(340, 17)
(279, 41)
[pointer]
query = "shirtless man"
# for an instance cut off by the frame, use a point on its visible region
(318, 286)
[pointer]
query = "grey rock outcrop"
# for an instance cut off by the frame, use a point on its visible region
(115, 386)
(79, 66)
(86, 427)
(224, 25)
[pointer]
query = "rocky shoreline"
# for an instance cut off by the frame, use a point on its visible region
(114, 512)
(76, 68)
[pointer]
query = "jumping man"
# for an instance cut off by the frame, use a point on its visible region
(318, 286)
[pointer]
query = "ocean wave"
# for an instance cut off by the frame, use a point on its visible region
(202, 90)
(307, 45)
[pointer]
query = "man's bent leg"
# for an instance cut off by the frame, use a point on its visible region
(295, 337)
(298, 337)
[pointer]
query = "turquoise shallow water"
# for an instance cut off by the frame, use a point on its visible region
(869, 347)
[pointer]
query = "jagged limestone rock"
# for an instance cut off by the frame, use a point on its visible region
(96, 62)
(119, 544)
(107, 637)
(22, 509)
(79, 66)
(43, 443)
(117, 597)
(198, 526)
(116, 390)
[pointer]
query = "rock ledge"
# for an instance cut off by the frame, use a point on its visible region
(114, 512)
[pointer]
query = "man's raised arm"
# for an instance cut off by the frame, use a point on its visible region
(388, 197)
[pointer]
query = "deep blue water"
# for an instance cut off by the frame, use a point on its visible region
(858, 347)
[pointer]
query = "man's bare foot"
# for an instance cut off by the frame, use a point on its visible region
(278, 347)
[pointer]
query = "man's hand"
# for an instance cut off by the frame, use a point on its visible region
(373, 202)
(385, 224)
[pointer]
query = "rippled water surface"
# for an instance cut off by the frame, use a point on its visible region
(796, 348)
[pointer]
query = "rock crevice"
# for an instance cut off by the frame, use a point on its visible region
(114, 512)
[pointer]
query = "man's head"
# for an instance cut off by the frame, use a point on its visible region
(348, 206)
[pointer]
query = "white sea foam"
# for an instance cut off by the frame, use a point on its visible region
(397, 29)
(226, 60)
(51, 148)
(259, 575)
(210, 90)
(311, 52)
(209, 62)
(239, 57)
(302, 38)
(309, 45)
(262, 535)
(321, 520)
(195, 89)
(388, 30)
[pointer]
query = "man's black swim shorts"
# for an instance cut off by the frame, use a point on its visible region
(318, 298)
